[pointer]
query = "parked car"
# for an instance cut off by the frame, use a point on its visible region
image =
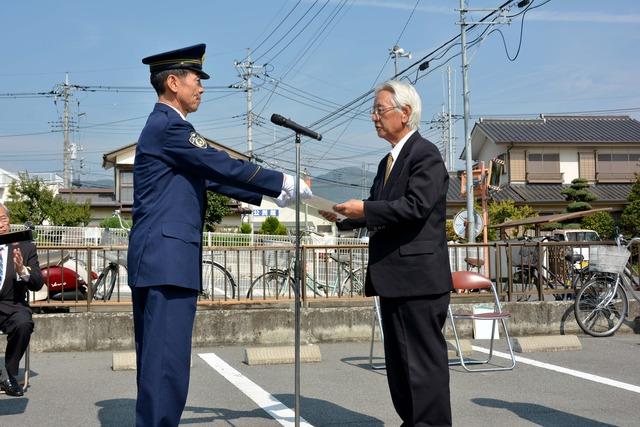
(578, 236)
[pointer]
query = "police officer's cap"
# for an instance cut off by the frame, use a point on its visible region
(189, 58)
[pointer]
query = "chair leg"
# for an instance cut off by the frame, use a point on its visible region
(465, 363)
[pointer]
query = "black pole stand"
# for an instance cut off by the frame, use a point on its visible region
(297, 277)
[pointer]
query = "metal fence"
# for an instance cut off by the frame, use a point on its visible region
(237, 267)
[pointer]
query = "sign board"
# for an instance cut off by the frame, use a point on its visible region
(266, 212)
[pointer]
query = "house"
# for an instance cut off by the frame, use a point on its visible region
(542, 156)
(102, 201)
(121, 160)
(52, 181)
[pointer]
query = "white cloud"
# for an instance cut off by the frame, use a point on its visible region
(586, 17)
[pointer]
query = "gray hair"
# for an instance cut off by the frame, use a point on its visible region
(404, 94)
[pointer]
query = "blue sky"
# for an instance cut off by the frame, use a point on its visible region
(576, 56)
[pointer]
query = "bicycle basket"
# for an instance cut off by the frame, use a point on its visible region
(277, 258)
(608, 259)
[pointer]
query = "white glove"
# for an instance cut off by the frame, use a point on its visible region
(283, 199)
(287, 195)
(288, 184)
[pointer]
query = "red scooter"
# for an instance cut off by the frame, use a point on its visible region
(64, 279)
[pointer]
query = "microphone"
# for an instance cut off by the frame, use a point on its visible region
(281, 121)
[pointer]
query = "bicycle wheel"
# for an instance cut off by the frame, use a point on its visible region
(271, 285)
(105, 283)
(600, 306)
(353, 284)
(217, 282)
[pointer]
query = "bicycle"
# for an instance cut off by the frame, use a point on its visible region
(102, 288)
(527, 275)
(217, 280)
(280, 282)
(602, 304)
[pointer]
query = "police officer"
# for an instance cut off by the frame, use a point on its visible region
(173, 169)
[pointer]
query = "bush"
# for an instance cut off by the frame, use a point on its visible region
(271, 225)
(630, 217)
(245, 228)
(113, 222)
(601, 222)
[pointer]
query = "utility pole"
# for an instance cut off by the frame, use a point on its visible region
(247, 69)
(63, 91)
(465, 96)
(66, 175)
(467, 139)
(450, 139)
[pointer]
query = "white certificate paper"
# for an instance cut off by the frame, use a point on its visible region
(323, 205)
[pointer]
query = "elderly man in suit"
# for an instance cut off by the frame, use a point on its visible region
(408, 259)
(19, 272)
(173, 169)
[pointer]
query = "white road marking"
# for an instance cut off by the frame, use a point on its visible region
(556, 368)
(261, 397)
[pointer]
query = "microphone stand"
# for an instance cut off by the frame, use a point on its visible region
(297, 289)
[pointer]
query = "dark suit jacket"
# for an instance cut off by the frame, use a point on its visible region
(408, 253)
(14, 290)
(173, 168)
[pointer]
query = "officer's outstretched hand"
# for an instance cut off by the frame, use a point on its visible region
(287, 196)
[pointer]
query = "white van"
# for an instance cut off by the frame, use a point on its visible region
(577, 236)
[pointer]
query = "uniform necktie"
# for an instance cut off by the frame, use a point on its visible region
(387, 172)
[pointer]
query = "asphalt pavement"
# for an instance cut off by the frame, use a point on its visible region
(596, 386)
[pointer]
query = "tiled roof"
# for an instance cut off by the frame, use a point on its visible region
(537, 193)
(563, 129)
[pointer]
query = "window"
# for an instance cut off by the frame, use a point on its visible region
(543, 167)
(126, 187)
(617, 167)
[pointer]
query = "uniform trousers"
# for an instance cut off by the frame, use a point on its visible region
(15, 321)
(416, 358)
(163, 324)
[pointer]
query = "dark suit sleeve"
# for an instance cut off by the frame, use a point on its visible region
(235, 193)
(350, 224)
(30, 256)
(427, 183)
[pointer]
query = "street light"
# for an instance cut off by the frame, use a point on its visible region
(397, 52)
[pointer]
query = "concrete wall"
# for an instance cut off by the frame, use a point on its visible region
(262, 324)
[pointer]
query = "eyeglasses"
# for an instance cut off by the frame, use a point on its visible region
(377, 112)
(4, 219)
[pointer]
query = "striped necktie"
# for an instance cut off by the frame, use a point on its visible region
(387, 172)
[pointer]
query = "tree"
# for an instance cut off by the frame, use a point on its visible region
(271, 225)
(506, 210)
(634, 194)
(69, 213)
(601, 222)
(578, 196)
(31, 200)
(630, 218)
(217, 208)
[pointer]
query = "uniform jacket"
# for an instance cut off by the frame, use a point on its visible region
(408, 253)
(172, 170)
(14, 290)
